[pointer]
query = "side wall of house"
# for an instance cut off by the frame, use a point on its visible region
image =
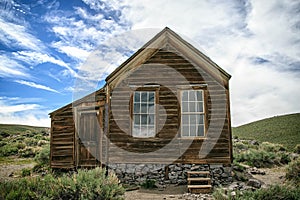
(171, 71)
(62, 151)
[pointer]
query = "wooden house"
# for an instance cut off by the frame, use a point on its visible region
(167, 104)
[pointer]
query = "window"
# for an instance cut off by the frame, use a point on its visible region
(143, 114)
(192, 113)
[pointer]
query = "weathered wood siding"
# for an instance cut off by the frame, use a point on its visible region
(69, 149)
(62, 151)
(126, 149)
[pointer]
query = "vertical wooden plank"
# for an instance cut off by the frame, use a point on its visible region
(229, 124)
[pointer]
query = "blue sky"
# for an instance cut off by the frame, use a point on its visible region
(46, 47)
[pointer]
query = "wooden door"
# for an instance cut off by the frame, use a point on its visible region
(90, 139)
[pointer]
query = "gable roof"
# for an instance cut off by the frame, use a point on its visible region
(167, 36)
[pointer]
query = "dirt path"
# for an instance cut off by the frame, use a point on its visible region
(7, 171)
(273, 176)
(171, 192)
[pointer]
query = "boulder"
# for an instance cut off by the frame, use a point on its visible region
(254, 183)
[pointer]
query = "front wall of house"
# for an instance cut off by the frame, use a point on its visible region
(167, 73)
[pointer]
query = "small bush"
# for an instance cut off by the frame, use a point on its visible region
(8, 150)
(25, 172)
(27, 152)
(297, 149)
(149, 184)
(293, 172)
(256, 158)
(86, 184)
(278, 192)
(42, 157)
(270, 147)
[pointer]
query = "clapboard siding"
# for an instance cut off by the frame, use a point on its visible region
(170, 63)
(167, 67)
(62, 139)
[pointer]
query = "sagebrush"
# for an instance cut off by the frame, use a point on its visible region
(85, 184)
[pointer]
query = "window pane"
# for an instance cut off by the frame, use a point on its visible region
(151, 131)
(144, 108)
(185, 107)
(136, 119)
(185, 131)
(137, 97)
(136, 108)
(185, 96)
(199, 95)
(200, 106)
(192, 106)
(151, 119)
(185, 119)
(144, 119)
(193, 130)
(200, 131)
(193, 120)
(192, 95)
(151, 97)
(144, 97)
(151, 108)
(200, 119)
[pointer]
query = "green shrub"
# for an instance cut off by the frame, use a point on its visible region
(240, 146)
(27, 152)
(149, 184)
(42, 157)
(8, 150)
(293, 172)
(270, 147)
(278, 192)
(256, 158)
(85, 184)
(25, 172)
(297, 149)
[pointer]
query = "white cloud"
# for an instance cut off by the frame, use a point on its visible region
(35, 58)
(13, 111)
(35, 85)
(257, 42)
(80, 32)
(14, 35)
(11, 68)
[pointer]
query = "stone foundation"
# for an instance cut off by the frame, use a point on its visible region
(169, 174)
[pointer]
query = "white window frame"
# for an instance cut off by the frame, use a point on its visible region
(144, 110)
(192, 117)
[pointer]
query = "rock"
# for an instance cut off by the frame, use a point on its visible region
(254, 183)
(233, 186)
(254, 142)
(233, 194)
(256, 171)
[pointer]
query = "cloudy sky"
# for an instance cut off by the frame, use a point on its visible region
(45, 46)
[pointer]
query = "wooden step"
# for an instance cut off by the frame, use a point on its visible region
(199, 186)
(198, 179)
(198, 172)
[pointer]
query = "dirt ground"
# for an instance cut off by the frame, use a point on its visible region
(273, 176)
(171, 192)
(11, 171)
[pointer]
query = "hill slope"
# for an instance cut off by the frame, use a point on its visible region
(283, 130)
(13, 129)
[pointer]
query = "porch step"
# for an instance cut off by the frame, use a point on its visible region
(199, 179)
(199, 182)
(199, 186)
